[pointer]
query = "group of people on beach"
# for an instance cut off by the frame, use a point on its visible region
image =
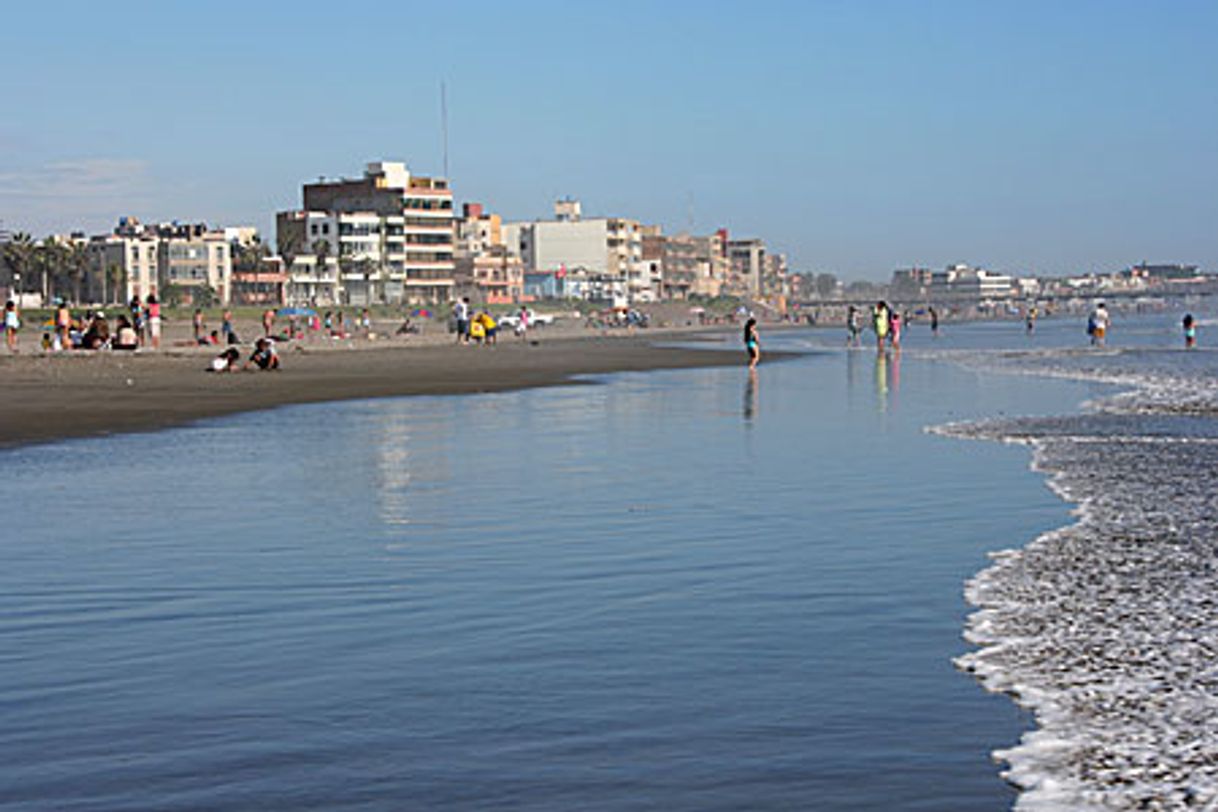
(481, 327)
(140, 326)
(264, 357)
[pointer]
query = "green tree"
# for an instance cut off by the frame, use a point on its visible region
(826, 285)
(77, 259)
(49, 263)
(205, 296)
(18, 255)
(117, 276)
(172, 295)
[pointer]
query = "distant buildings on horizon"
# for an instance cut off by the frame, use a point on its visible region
(393, 237)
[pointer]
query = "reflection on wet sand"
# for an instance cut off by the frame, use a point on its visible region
(750, 395)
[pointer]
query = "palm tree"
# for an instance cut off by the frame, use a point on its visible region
(48, 258)
(18, 255)
(78, 266)
(118, 278)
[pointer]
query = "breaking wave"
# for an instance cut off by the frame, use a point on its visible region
(1107, 629)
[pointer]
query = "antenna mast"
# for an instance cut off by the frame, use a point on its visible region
(444, 123)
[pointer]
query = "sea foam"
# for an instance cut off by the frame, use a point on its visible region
(1107, 629)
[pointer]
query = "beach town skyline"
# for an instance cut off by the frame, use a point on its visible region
(1033, 138)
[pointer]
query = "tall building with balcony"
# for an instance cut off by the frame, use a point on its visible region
(390, 233)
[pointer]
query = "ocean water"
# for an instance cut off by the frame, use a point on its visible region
(696, 589)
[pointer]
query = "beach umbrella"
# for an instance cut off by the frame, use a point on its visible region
(295, 311)
(421, 313)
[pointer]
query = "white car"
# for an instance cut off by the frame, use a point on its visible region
(535, 319)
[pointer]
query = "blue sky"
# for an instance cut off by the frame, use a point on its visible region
(856, 136)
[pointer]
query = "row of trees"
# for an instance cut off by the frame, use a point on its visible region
(54, 268)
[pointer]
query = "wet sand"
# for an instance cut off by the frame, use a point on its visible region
(46, 397)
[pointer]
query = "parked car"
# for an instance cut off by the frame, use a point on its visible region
(535, 319)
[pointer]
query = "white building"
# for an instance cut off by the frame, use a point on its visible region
(390, 232)
(605, 248)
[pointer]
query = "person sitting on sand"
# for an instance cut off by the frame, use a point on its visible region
(226, 361)
(97, 336)
(407, 328)
(125, 337)
(264, 356)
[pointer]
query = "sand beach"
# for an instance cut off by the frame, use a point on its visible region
(48, 396)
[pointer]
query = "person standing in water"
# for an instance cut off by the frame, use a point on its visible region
(1098, 324)
(1190, 331)
(879, 322)
(894, 329)
(752, 343)
(1031, 319)
(853, 326)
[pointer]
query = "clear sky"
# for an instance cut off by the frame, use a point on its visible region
(857, 136)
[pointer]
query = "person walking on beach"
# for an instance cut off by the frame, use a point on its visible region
(934, 321)
(268, 321)
(853, 326)
(752, 342)
(199, 327)
(226, 329)
(522, 326)
(12, 323)
(137, 319)
(1098, 323)
(894, 329)
(461, 316)
(879, 322)
(154, 321)
(1190, 331)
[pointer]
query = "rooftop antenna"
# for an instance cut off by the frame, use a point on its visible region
(444, 123)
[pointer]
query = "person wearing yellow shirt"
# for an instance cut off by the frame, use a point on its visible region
(477, 331)
(490, 325)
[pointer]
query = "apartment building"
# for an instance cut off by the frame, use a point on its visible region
(748, 265)
(606, 250)
(390, 234)
(138, 259)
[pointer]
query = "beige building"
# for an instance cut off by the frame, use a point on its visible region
(137, 260)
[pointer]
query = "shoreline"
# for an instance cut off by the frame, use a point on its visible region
(45, 398)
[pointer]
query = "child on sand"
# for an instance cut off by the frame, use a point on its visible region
(12, 323)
